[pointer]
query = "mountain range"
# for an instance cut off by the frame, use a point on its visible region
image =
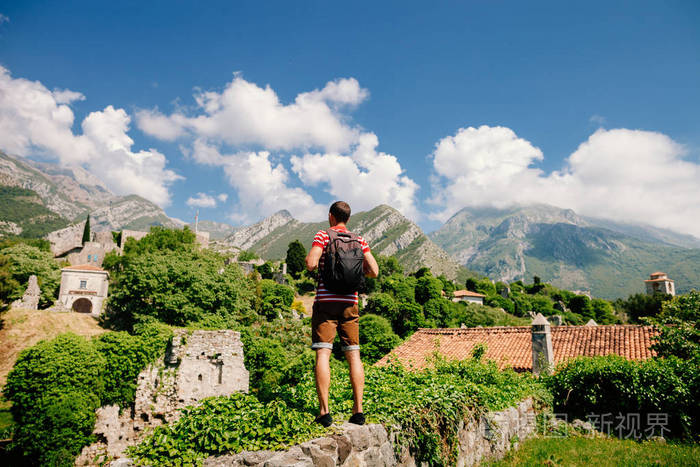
(610, 259)
(72, 193)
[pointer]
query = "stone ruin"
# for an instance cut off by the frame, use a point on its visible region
(30, 299)
(197, 365)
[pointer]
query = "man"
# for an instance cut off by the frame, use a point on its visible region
(333, 312)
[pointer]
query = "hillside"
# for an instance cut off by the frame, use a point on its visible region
(387, 231)
(22, 212)
(73, 192)
(567, 250)
(23, 328)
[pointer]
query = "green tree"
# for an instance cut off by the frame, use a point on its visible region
(296, 258)
(640, 305)
(265, 270)
(86, 230)
(25, 260)
(427, 288)
(376, 337)
(581, 305)
(436, 311)
(8, 285)
(179, 288)
(382, 304)
(679, 326)
(603, 310)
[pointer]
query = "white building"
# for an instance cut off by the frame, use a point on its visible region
(83, 288)
(659, 282)
(468, 296)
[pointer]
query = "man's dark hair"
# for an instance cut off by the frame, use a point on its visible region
(341, 211)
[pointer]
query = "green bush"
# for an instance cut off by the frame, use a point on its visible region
(271, 289)
(125, 356)
(224, 425)
(613, 384)
(376, 337)
(55, 388)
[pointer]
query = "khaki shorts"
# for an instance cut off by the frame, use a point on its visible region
(327, 316)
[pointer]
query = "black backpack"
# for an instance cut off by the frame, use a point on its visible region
(342, 267)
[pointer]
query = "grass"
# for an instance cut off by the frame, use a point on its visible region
(601, 452)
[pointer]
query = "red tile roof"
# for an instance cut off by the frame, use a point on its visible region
(511, 346)
(467, 293)
(84, 267)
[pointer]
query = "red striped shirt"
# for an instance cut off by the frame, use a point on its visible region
(321, 239)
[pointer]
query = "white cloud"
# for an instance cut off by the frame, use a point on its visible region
(365, 178)
(347, 164)
(246, 114)
(597, 119)
(262, 185)
(36, 120)
(222, 197)
(201, 200)
(626, 175)
(4, 18)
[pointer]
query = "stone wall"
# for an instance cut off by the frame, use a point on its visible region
(197, 365)
(487, 437)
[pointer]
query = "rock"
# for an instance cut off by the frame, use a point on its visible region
(30, 299)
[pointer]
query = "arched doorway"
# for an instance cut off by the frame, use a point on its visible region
(82, 305)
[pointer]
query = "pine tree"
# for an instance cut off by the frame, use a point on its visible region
(296, 258)
(86, 230)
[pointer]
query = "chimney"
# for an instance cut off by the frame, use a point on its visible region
(542, 353)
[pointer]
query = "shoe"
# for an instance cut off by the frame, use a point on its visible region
(358, 419)
(325, 420)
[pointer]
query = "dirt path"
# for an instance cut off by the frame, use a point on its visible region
(24, 328)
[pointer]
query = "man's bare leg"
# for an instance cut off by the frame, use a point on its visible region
(357, 379)
(323, 378)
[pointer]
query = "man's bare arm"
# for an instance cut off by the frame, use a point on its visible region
(370, 265)
(313, 257)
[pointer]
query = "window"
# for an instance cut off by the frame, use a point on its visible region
(83, 284)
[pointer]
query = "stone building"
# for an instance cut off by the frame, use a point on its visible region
(659, 282)
(468, 296)
(197, 365)
(83, 288)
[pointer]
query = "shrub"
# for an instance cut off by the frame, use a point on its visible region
(497, 301)
(55, 388)
(612, 384)
(125, 356)
(376, 337)
(428, 405)
(223, 425)
(270, 288)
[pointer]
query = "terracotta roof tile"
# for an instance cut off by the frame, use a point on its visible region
(511, 346)
(467, 293)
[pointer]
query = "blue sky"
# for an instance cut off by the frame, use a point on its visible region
(440, 105)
